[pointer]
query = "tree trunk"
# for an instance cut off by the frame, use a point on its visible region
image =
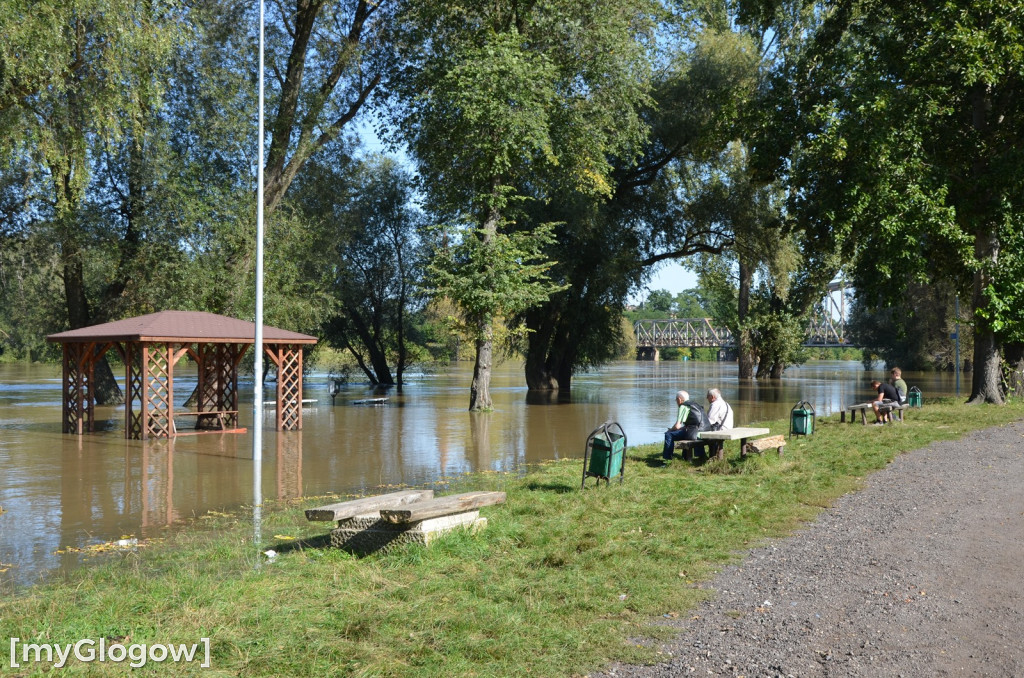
(1014, 355)
(986, 377)
(985, 386)
(540, 374)
(744, 345)
(106, 389)
(480, 390)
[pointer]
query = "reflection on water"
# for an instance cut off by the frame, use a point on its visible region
(60, 491)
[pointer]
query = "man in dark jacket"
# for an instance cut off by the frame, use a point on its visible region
(690, 420)
(887, 397)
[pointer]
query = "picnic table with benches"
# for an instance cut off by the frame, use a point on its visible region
(742, 434)
(408, 516)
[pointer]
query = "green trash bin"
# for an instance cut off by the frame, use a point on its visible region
(605, 452)
(801, 419)
(914, 398)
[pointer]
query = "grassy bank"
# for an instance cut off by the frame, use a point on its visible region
(560, 582)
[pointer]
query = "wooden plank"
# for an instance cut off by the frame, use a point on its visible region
(762, 444)
(733, 433)
(347, 509)
(442, 506)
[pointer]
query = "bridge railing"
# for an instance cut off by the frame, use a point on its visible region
(697, 332)
(822, 331)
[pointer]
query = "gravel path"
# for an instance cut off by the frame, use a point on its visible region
(920, 574)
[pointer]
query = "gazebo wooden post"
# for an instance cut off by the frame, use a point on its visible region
(78, 401)
(288, 358)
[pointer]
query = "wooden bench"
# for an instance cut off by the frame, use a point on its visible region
(687, 447)
(864, 408)
(761, 444)
(409, 516)
(741, 434)
(356, 507)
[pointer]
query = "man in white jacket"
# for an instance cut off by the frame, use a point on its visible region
(719, 415)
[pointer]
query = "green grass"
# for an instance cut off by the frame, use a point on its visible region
(559, 583)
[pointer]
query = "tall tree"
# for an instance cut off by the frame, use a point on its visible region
(370, 257)
(906, 125)
(507, 102)
(74, 76)
(607, 246)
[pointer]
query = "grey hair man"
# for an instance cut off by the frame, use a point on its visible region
(690, 420)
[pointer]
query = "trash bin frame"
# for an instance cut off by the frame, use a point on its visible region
(799, 406)
(603, 429)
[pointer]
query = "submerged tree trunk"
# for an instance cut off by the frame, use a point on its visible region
(106, 389)
(480, 390)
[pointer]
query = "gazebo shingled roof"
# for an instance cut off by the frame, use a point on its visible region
(181, 327)
(150, 345)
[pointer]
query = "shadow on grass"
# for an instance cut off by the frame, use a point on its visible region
(558, 488)
(319, 542)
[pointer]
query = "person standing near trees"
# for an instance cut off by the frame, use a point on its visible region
(690, 420)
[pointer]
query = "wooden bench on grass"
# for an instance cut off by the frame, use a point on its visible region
(409, 516)
(741, 434)
(864, 408)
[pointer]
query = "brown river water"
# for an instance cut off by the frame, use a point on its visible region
(60, 494)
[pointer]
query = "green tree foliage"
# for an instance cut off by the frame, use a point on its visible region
(75, 76)
(906, 148)
(915, 332)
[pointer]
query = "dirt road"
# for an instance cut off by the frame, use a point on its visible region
(920, 574)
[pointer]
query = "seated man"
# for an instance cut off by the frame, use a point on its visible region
(719, 416)
(899, 384)
(887, 397)
(690, 420)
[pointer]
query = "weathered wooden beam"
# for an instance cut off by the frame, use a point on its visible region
(442, 506)
(348, 509)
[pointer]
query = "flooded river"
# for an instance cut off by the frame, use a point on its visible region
(62, 493)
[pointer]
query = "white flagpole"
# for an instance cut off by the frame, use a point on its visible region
(257, 399)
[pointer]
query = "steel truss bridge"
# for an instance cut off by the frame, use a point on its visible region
(825, 329)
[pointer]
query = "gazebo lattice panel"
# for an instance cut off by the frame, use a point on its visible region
(158, 368)
(289, 386)
(79, 397)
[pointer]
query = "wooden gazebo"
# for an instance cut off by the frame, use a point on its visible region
(150, 346)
